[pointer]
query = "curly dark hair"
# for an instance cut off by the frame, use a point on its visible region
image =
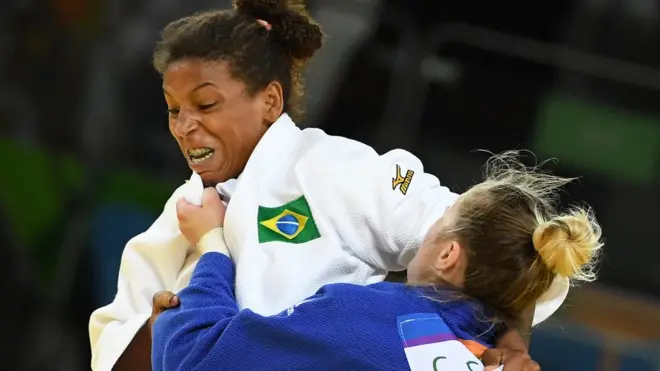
(254, 54)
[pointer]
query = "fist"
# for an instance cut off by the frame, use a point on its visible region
(195, 221)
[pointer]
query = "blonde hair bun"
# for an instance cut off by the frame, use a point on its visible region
(570, 244)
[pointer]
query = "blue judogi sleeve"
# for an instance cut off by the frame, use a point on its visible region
(208, 331)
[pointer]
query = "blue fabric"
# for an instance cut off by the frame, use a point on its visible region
(417, 325)
(342, 327)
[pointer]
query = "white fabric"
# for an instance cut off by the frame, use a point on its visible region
(551, 300)
(440, 356)
(367, 229)
(194, 190)
(155, 260)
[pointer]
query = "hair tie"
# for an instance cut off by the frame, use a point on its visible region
(266, 25)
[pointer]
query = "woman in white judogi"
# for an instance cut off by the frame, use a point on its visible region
(308, 208)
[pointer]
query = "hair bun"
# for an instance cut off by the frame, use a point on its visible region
(290, 22)
(569, 244)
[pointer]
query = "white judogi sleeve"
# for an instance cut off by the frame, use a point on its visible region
(381, 206)
(155, 260)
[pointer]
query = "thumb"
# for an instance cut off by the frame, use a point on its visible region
(182, 203)
(210, 197)
(163, 300)
(183, 208)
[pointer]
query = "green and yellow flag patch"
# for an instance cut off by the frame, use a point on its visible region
(292, 222)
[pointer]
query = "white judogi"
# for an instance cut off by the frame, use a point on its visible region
(367, 214)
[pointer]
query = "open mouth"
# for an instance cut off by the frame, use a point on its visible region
(199, 155)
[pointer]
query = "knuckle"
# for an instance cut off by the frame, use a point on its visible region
(158, 295)
(160, 298)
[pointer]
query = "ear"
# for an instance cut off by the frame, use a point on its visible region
(449, 257)
(273, 98)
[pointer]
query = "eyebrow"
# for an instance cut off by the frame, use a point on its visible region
(202, 85)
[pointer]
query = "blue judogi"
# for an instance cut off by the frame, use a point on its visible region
(342, 327)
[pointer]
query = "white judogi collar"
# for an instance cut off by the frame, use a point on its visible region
(275, 143)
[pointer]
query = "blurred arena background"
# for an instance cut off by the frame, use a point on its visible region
(87, 161)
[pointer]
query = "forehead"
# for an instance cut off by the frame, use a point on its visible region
(186, 75)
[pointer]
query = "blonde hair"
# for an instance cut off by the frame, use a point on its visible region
(517, 240)
(568, 243)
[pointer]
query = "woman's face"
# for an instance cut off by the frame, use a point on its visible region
(216, 123)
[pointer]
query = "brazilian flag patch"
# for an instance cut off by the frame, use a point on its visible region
(292, 222)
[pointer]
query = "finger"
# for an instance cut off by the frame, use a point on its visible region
(183, 202)
(492, 357)
(163, 300)
(210, 197)
(157, 301)
(183, 207)
(173, 302)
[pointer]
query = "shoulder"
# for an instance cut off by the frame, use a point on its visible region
(319, 145)
(378, 298)
(351, 294)
(375, 288)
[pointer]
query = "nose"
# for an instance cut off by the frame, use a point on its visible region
(185, 124)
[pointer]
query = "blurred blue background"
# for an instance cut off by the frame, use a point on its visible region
(87, 160)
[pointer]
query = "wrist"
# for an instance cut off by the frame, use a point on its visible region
(213, 241)
(512, 340)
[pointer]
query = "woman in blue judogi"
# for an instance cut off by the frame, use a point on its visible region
(304, 209)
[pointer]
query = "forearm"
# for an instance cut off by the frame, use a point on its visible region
(137, 356)
(524, 325)
(512, 339)
(212, 282)
(208, 331)
(518, 333)
(194, 333)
